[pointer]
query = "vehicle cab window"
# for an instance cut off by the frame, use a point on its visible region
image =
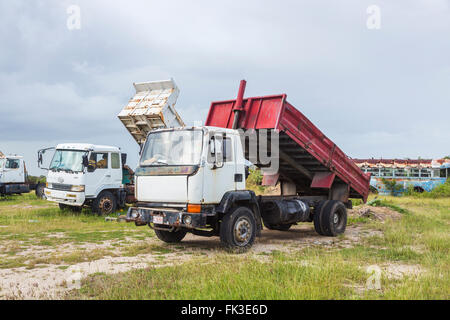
(115, 161)
(99, 160)
(227, 148)
(12, 164)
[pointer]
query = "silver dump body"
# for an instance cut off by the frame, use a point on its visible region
(152, 107)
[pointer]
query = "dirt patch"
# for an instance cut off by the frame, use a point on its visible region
(375, 213)
(398, 271)
(52, 281)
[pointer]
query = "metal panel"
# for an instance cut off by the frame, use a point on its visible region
(152, 107)
(307, 150)
(323, 180)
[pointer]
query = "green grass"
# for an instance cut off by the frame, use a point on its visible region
(420, 239)
(30, 220)
(26, 221)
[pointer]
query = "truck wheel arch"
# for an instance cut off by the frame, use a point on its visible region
(244, 198)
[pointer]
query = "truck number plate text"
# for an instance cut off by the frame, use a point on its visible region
(158, 220)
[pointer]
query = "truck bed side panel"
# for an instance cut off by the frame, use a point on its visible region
(300, 141)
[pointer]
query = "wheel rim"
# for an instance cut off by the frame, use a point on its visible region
(336, 218)
(242, 231)
(105, 205)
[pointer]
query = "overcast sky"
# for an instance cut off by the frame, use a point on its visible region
(375, 92)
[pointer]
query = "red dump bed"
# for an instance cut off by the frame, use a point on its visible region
(307, 157)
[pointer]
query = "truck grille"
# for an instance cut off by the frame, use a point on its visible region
(61, 187)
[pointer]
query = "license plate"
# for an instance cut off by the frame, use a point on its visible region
(158, 219)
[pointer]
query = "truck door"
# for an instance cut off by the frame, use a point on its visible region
(99, 173)
(219, 178)
(116, 169)
(14, 171)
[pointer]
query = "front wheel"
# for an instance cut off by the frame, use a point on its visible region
(238, 229)
(104, 204)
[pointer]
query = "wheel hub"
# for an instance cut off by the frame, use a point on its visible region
(105, 205)
(336, 218)
(242, 231)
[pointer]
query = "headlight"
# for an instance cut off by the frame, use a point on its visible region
(187, 220)
(49, 185)
(77, 188)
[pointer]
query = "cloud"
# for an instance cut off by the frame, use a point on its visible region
(376, 93)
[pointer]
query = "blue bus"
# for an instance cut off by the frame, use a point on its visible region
(422, 175)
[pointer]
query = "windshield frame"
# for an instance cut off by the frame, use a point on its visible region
(54, 169)
(146, 146)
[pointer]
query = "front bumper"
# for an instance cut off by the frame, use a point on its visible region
(170, 218)
(66, 197)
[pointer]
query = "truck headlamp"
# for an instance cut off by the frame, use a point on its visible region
(187, 220)
(77, 188)
(49, 185)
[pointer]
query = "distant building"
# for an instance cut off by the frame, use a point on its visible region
(421, 174)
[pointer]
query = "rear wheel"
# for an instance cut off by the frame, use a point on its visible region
(238, 229)
(171, 236)
(330, 218)
(104, 204)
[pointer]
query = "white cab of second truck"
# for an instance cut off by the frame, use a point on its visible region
(86, 174)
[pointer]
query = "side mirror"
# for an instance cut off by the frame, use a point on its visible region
(218, 148)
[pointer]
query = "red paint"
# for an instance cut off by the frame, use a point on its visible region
(323, 180)
(274, 112)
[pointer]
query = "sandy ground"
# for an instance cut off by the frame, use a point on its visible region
(53, 281)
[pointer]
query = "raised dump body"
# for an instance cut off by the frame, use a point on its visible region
(308, 159)
(152, 107)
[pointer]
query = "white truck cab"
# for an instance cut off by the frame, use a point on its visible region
(13, 175)
(182, 162)
(82, 174)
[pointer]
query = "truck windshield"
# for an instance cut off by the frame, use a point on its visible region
(178, 147)
(68, 160)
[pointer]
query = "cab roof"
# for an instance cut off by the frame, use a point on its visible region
(87, 147)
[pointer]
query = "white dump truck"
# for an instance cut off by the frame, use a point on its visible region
(200, 175)
(97, 176)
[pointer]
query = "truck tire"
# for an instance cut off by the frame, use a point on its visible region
(104, 204)
(330, 218)
(280, 227)
(171, 237)
(40, 191)
(238, 229)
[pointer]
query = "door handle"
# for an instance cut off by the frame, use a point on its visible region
(108, 176)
